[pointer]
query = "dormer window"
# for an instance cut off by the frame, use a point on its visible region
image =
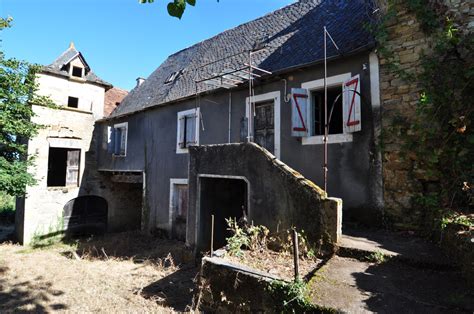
(77, 71)
(172, 77)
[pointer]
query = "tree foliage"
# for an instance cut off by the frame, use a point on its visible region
(175, 8)
(17, 93)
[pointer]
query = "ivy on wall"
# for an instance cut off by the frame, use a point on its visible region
(439, 137)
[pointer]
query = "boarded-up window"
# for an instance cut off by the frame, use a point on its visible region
(181, 200)
(179, 211)
(63, 166)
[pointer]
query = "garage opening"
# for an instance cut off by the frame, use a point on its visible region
(224, 198)
(127, 201)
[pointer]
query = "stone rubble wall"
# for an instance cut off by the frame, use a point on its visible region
(402, 179)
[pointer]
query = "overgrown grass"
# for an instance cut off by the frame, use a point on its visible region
(7, 208)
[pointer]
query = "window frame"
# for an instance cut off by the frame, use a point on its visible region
(275, 96)
(311, 86)
(194, 111)
(122, 125)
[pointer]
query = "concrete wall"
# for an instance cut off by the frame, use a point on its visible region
(278, 196)
(354, 167)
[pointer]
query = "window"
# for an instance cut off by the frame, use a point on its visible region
(63, 166)
(73, 102)
(188, 130)
(334, 107)
(76, 71)
(172, 77)
(178, 208)
(117, 139)
(343, 105)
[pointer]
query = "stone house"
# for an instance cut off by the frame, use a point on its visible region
(176, 134)
(60, 148)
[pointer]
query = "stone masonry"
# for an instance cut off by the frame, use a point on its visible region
(408, 42)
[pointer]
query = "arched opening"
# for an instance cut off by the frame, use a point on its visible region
(85, 215)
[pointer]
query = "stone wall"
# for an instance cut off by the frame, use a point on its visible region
(408, 42)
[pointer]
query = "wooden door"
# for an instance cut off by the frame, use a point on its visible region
(264, 126)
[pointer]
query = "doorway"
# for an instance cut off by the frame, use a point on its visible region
(224, 198)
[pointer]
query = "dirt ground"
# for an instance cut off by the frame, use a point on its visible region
(124, 272)
(277, 264)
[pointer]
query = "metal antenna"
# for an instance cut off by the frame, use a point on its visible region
(326, 125)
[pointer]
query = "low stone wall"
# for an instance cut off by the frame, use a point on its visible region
(279, 197)
(458, 243)
(225, 288)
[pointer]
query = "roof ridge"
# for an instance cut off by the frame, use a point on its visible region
(242, 24)
(63, 54)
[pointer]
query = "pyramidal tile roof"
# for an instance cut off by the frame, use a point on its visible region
(59, 66)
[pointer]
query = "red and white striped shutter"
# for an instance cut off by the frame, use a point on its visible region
(300, 112)
(351, 105)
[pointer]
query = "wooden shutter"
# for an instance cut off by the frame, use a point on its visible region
(351, 105)
(300, 112)
(110, 139)
(72, 168)
(123, 141)
(182, 132)
(117, 140)
(191, 130)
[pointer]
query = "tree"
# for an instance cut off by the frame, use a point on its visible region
(17, 93)
(176, 7)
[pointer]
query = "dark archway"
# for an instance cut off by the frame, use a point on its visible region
(85, 215)
(224, 198)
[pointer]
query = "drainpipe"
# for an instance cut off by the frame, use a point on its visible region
(230, 114)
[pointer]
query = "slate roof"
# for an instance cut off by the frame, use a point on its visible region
(293, 36)
(58, 67)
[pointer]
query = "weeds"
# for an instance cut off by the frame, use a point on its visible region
(377, 257)
(253, 237)
(291, 297)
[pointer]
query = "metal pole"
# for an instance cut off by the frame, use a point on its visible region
(212, 235)
(326, 131)
(295, 254)
(250, 118)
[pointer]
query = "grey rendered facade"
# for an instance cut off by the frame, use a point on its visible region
(294, 56)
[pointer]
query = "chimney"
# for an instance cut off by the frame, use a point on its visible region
(140, 81)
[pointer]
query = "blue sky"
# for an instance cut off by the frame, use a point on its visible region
(120, 39)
